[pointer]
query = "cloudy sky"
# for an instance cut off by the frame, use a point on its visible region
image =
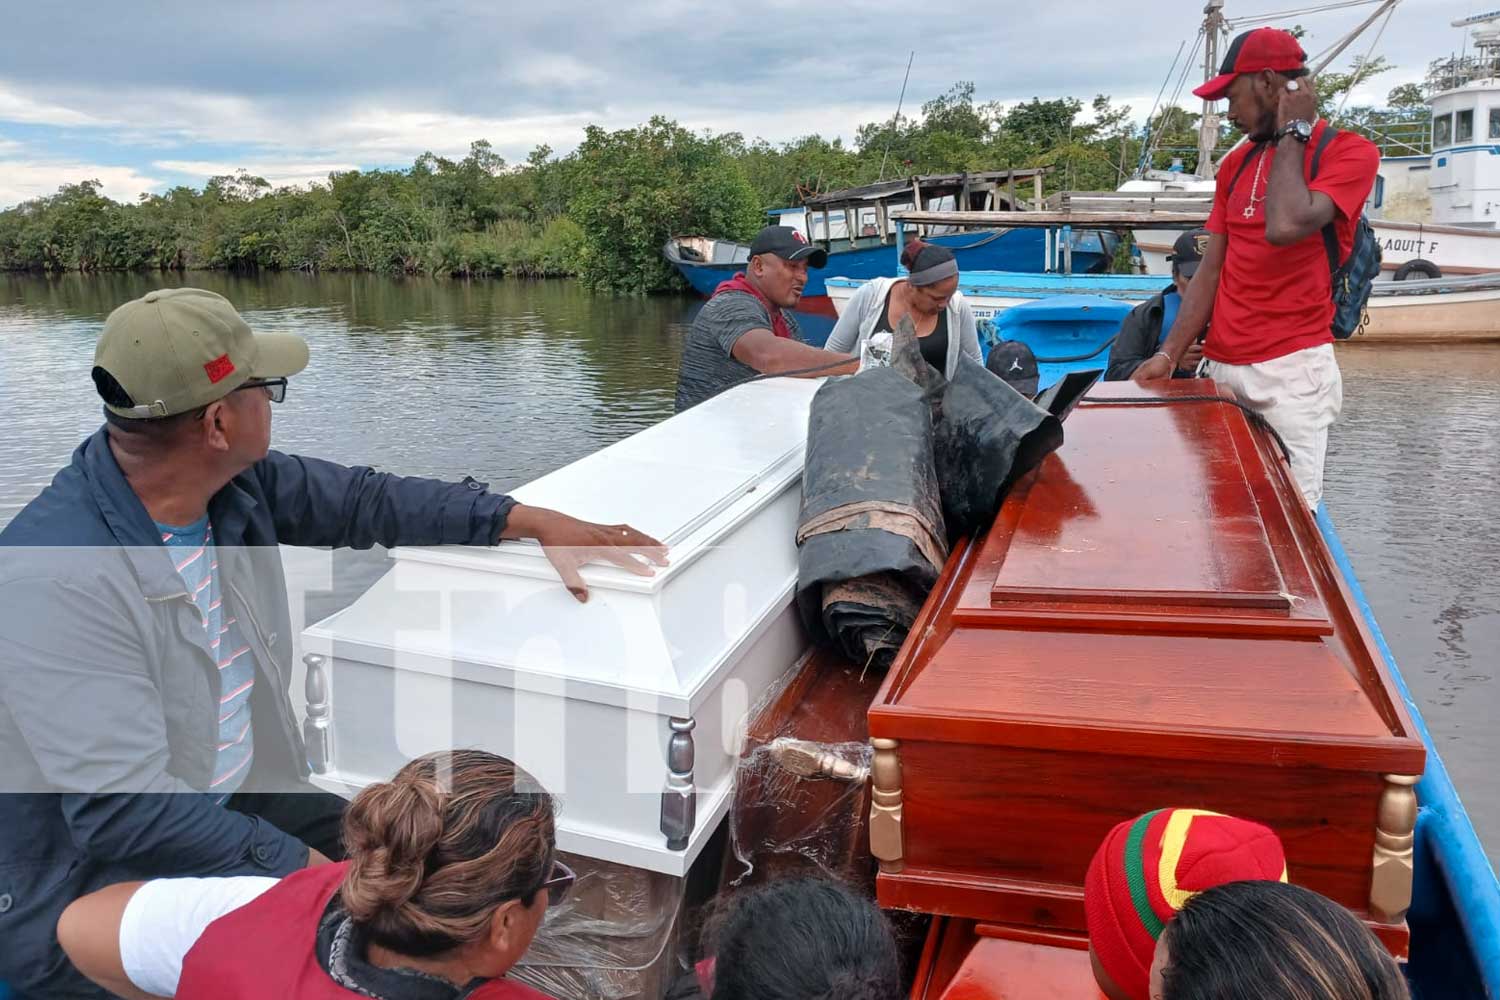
(145, 96)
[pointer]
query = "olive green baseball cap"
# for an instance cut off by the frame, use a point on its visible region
(177, 349)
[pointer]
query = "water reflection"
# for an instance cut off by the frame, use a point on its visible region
(1413, 480)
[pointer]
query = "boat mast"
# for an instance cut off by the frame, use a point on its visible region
(1208, 127)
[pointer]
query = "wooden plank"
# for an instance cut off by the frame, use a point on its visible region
(969, 960)
(1161, 683)
(783, 825)
(1213, 551)
(1053, 219)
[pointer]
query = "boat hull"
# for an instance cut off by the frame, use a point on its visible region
(1472, 316)
(992, 250)
(1459, 309)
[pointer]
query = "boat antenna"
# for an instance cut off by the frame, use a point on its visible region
(896, 119)
(1359, 74)
(1146, 147)
(1161, 126)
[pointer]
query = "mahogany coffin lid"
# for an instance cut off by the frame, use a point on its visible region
(1152, 620)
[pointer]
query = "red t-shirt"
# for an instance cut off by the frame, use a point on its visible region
(1275, 300)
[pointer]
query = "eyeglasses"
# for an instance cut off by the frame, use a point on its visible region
(558, 883)
(275, 387)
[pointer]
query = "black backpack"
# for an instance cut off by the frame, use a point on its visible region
(1354, 278)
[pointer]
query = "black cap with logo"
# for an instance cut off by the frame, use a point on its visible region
(1187, 253)
(788, 244)
(1014, 362)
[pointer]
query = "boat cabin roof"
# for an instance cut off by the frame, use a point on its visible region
(932, 185)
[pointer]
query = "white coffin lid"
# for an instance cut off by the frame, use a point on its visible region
(691, 481)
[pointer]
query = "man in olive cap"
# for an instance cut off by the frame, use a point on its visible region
(146, 727)
(745, 329)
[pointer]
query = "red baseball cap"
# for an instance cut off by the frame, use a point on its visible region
(1251, 52)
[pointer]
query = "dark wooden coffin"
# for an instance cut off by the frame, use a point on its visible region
(1153, 620)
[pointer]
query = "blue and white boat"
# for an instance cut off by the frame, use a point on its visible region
(1053, 303)
(857, 228)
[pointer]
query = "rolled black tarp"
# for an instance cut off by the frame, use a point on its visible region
(899, 462)
(987, 436)
(870, 537)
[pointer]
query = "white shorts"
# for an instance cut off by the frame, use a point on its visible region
(164, 919)
(1299, 394)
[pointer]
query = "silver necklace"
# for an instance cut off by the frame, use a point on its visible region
(1260, 160)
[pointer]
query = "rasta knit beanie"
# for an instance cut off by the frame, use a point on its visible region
(1149, 867)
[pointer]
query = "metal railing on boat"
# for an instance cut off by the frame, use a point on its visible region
(1130, 211)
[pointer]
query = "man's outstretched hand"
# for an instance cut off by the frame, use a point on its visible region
(570, 543)
(1155, 367)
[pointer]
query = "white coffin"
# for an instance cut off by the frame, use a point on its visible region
(468, 647)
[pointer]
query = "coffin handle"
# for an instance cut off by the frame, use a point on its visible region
(679, 800)
(1395, 836)
(316, 732)
(885, 807)
(806, 759)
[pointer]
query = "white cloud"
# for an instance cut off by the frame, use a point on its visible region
(17, 107)
(22, 180)
(277, 172)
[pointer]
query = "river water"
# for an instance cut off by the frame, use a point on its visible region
(508, 380)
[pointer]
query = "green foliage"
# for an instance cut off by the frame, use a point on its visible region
(646, 184)
(465, 217)
(604, 212)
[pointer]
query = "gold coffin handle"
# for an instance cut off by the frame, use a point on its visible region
(1395, 835)
(885, 806)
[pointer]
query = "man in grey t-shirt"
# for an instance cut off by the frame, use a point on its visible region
(745, 329)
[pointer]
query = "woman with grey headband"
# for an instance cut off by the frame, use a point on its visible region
(929, 295)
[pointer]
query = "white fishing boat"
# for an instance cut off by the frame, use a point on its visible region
(1435, 215)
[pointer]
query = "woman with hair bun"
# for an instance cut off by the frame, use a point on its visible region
(929, 294)
(452, 864)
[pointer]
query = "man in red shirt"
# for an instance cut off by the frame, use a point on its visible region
(1265, 277)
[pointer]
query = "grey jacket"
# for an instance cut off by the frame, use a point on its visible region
(863, 311)
(109, 692)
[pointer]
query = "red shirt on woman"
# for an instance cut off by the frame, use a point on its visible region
(268, 948)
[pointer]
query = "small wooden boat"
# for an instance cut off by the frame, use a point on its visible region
(1434, 311)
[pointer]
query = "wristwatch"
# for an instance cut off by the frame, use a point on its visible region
(1297, 129)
